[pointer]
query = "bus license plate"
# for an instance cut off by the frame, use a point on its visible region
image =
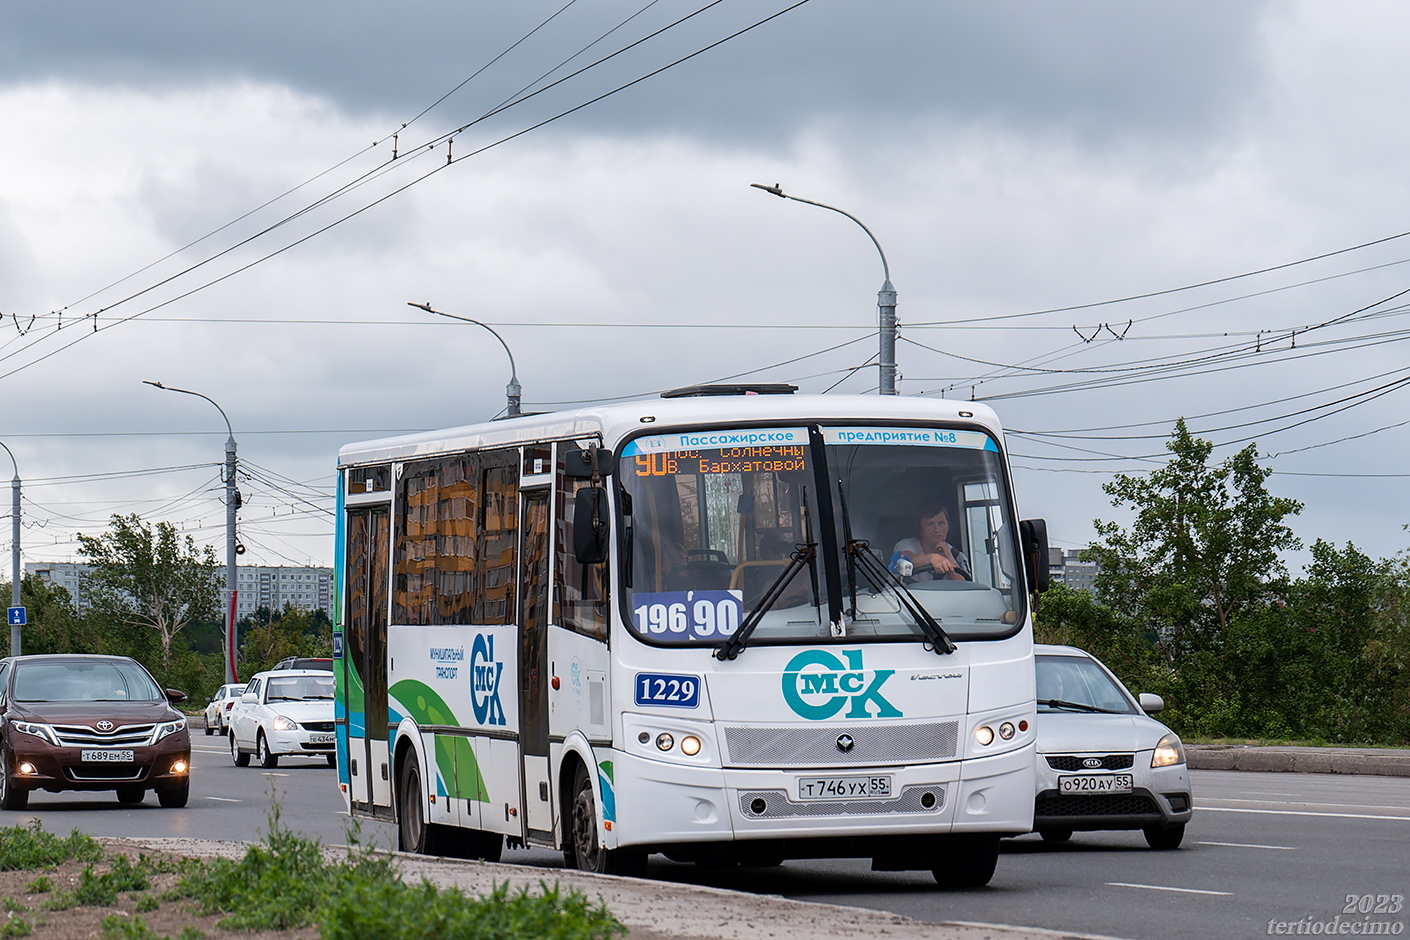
(106, 756)
(845, 788)
(321, 738)
(1095, 783)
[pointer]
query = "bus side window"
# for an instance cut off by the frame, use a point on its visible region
(579, 591)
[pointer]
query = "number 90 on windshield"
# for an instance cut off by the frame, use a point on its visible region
(688, 616)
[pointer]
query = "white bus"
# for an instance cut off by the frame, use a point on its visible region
(701, 626)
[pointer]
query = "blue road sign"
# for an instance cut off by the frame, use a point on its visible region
(17, 617)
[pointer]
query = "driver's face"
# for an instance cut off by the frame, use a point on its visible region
(935, 529)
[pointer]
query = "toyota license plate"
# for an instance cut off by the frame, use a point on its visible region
(321, 739)
(871, 787)
(106, 756)
(1095, 783)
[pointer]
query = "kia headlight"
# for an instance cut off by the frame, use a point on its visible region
(284, 724)
(1168, 752)
(38, 730)
(167, 729)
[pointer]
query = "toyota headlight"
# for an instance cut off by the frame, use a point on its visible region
(168, 728)
(284, 724)
(38, 730)
(1168, 752)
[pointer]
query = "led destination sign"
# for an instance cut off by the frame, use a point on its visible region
(724, 460)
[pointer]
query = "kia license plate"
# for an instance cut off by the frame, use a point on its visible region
(106, 756)
(1095, 783)
(869, 787)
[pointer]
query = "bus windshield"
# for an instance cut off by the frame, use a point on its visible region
(921, 519)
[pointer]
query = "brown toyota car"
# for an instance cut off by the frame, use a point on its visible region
(74, 722)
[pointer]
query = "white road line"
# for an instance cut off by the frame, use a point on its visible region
(224, 799)
(1230, 799)
(1296, 812)
(1248, 845)
(1127, 884)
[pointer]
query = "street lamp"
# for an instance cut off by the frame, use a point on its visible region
(513, 389)
(14, 551)
(885, 298)
(232, 499)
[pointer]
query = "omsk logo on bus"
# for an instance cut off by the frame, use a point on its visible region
(485, 672)
(817, 685)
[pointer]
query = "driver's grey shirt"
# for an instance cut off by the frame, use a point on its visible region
(912, 545)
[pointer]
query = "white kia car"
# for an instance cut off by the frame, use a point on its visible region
(218, 711)
(283, 713)
(1103, 762)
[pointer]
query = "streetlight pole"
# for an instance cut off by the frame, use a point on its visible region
(14, 550)
(885, 298)
(513, 389)
(232, 498)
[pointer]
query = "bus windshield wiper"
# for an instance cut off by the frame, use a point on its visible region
(860, 555)
(803, 556)
(1078, 706)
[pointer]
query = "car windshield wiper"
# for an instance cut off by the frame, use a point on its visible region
(1078, 706)
(804, 555)
(860, 555)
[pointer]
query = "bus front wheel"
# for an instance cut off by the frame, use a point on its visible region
(966, 862)
(584, 852)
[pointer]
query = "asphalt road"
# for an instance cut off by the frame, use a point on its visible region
(1262, 848)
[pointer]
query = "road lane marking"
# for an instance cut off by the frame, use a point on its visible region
(1248, 845)
(1230, 799)
(1296, 812)
(1127, 884)
(224, 799)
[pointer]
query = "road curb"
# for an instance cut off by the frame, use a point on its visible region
(1385, 762)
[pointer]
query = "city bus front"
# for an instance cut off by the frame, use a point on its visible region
(825, 648)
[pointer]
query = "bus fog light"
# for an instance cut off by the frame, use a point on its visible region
(927, 799)
(690, 745)
(26, 768)
(758, 806)
(664, 741)
(984, 735)
(1006, 730)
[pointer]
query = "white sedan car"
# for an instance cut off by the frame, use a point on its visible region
(218, 711)
(282, 713)
(1103, 763)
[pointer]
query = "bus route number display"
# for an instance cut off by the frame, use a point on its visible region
(688, 616)
(785, 459)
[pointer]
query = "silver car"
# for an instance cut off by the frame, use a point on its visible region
(1103, 762)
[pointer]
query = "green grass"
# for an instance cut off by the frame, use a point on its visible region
(26, 848)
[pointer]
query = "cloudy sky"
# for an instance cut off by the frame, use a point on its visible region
(1099, 217)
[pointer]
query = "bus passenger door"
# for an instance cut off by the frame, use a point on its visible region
(533, 664)
(365, 659)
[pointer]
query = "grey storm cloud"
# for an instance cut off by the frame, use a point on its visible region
(1099, 69)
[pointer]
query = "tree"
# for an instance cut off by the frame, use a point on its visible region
(1204, 546)
(270, 636)
(54, 626)
(147, 577)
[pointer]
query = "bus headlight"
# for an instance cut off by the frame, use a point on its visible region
(1006, 730)
(984, 735)
(690, 745)
(1169, 751)
(664, 741)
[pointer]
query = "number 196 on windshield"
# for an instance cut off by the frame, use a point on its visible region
(680, 616)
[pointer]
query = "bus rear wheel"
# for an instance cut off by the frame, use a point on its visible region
(584, 852)
(413, 833)
(967, 862)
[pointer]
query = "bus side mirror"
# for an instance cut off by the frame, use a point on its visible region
(590, 526)
(1034, 534)
(580, 464)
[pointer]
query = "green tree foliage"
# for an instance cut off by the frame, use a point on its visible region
(1193, 602)
(53, 624)
(148, 578)
(269, 636)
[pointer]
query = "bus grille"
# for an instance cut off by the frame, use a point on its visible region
(777, 805)
(816, 746)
